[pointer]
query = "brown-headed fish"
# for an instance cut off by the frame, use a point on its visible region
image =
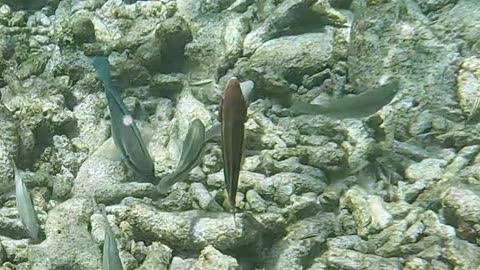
(232, 114)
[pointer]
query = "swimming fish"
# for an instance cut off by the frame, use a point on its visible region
(111, 259)
(125, 132)
(25, 207)
(359, 106)
(192, 152)
(232, 116)
(215, 131)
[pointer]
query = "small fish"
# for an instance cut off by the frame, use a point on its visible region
(192, 152)
(358, 106)
(125, 132)
(232, 115)
(25, 207)
(111, 259)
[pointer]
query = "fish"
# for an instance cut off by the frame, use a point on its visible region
(111, 259)
(232, 116)
(213, 133)
(125, 133)
(358, 106)
(25, 207)
(192, 153)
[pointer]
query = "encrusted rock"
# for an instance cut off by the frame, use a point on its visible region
(158, 257)
(211, 259)
(68, 239)
(105, 180)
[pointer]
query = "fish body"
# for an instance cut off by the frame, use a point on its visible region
(25, 207)
(192, 152)
(232, 115)
(358, 106)
(125, 132)
(111, 259)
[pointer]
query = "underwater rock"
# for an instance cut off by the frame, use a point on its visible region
(166, 85)
(433, 5)
(274, 65)
(210, 259)
(468, 84)
(462, 254)
(203, 198)
(62, 161)
(179, 199)
(422, 124)
(352, 242)
(388, 241)
(3, 255)
(190, 229)
(255, 202)
(127, 71)
(82, 29)
(40, 114)
(68, 238)
(93, 130)
(280, 18)
(468, 29)
(368, 211)
(302, 236)
(171, 36)
(338, 258)
(125, 27)
(392, 58)
(287, 184)
(33, 66)
(106, 181)
(433, 194)
(181, 264)
(158, 257)
(463, 203)
(246, 180)
(215, 48)
(328, 157)
(428, 169)
(14, 250)
(359, 146)
(6, 172)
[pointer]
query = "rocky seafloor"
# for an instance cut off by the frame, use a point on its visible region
(397, 190)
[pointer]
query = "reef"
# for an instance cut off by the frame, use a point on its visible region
(399, 189)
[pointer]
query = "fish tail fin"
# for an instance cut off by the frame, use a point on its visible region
(166, 183)
(102, 66)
